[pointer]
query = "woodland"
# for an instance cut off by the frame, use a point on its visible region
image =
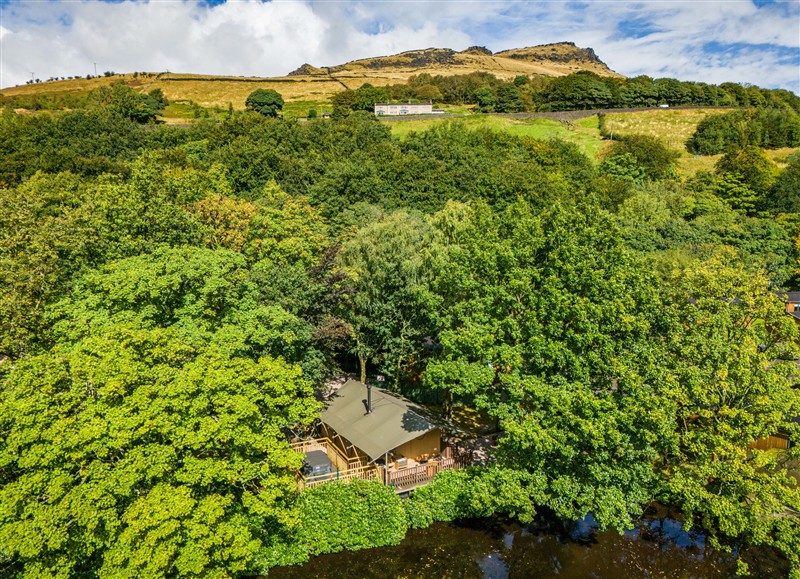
(172, 297)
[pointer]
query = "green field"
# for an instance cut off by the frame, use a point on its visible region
(673, 127)
(584, 133)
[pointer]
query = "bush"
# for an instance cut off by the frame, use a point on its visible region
(473, 493)
(336, 516)
(655, 160)
(751, 165)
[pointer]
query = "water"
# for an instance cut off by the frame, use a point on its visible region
(657, 547)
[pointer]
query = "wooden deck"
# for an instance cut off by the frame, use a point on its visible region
(344, 468)
(402, 479)
(420, 474)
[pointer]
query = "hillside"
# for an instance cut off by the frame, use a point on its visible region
(314, 84)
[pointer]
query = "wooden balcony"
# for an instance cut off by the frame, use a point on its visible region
(402, 478)
(417, 474)
(370, 472)
(344, 468)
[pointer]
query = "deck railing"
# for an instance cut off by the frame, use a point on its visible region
(369, 472)
(412, 477)
(336, 456)
(401, 479)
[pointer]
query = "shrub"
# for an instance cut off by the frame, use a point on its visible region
(653, 157)
(336, 516)
(475, 492)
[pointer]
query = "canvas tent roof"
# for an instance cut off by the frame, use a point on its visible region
(393, 421)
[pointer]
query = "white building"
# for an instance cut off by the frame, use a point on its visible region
(387, 109)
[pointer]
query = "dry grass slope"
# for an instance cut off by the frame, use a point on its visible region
(316, 85)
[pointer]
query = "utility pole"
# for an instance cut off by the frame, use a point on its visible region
(32, 77)
(95, 69)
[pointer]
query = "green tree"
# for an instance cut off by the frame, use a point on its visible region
(145, 451)
(768, 128)
(640, 91)
(784, 196)
(475, 493)
(388, 311)
(726, 378)
(739, 196)
(751, 165)
(211, 295)
(542, 328)
(623, 166)
(656, 160)
(267, 102)
(131, 104)
(577, 91)
(508, 99)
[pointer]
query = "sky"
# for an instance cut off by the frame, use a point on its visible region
(714, 41)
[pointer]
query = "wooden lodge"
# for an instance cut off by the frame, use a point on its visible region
(369, 433)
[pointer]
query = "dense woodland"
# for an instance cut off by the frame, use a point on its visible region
(582, 90)
(172, 297)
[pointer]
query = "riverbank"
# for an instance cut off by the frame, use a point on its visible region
(656, 546)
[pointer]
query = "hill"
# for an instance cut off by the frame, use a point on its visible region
(314, 84)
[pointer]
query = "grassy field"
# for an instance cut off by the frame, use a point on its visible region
(584, 134)
(218, 91)
(205, 91)
(689, 164)
(195, 97)
(299, 109)
(672, 126)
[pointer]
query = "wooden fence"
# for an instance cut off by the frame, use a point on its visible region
(769, 442)
(409, 478)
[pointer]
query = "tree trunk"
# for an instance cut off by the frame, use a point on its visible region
(362, 360)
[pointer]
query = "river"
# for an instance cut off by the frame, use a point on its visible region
(655, 547)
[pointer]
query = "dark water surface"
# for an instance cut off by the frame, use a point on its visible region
(488, 549)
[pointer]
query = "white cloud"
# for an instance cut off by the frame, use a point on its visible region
(248, 37)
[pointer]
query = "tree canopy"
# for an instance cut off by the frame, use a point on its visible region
(174, 302)
(268, 102)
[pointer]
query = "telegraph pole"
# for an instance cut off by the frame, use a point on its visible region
(95, 69)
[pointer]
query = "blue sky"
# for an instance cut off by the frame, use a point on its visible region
(748, 41)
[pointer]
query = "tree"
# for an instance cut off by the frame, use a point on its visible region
(752, 167)
(143, 451)
(738, 195)
(388, 310)
(542, 327)
(212, 295)
(486, 99)
(131, 104)
(578, 91)
(656, 160)
(784, 196)
(638, 92)
(268, 102)
(508, 99)
(725, 379)
(768, 128)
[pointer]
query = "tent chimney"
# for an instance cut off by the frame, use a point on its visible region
(369, 399)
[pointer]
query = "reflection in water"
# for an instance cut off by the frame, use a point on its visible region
(657, 546)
